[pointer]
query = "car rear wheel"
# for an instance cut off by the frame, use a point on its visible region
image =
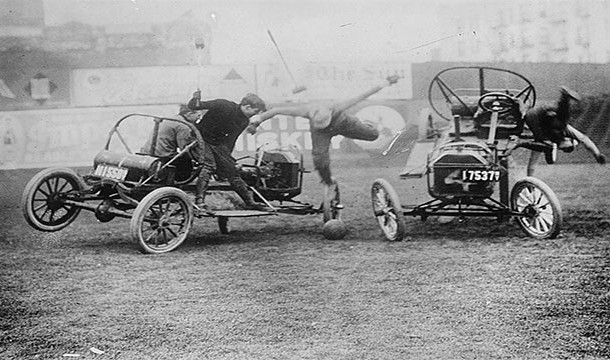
(162, 220)
(540, 211)
(388, 210)
(43, 200)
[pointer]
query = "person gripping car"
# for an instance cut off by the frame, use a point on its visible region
(549, 125)
(220, 127)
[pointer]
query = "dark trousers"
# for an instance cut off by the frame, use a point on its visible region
(217, 160)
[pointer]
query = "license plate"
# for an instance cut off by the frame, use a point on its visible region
(112, 172)
(478, 175)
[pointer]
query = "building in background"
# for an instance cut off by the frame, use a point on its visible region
(21, 24)
(564, 31)
(24, 33)
(569, 31)
(37, 57)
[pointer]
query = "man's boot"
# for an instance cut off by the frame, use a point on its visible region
(244, 193)
(201, 186)
(550, 154)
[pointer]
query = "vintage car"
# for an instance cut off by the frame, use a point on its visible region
(156, 193)
(466, 162)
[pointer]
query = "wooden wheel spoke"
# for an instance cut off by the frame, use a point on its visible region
(164, 235)
(170, 230)
(50, 185)
(40, 207)
(149, 237)
(45, 193)
(50, 214)
(66, 183)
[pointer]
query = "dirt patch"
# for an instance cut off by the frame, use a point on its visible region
(276, 289)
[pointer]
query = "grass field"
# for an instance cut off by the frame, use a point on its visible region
(276, 289)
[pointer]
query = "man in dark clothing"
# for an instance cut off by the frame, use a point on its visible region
(220, 127)
(549, 124)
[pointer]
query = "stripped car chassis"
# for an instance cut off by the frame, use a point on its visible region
(156, 194)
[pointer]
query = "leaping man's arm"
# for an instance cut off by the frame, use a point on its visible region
(301, 111)
(342, 106)
(587, 143)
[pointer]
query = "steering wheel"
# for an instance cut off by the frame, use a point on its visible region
(498, 102)
(444, 90)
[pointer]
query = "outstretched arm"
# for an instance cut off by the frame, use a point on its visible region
(342, 106)
(301, 111)
(588, 143)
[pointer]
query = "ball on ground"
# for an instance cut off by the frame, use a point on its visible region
(334, 229)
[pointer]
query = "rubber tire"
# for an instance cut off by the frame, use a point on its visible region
(530, 228)
(155, 198)
(32, 189)
(329, 209)
(389, 214)
(223, 225)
